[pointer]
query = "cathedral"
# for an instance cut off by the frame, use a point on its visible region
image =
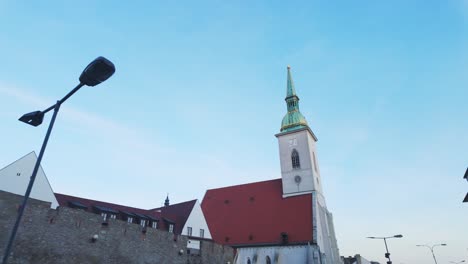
(283, 220)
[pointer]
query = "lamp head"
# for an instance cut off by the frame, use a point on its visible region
(398, 236)
(97, 72)
(371, 237)
(443, 244)
(33, 118)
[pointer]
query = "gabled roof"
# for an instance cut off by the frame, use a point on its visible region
(257, 213)
(176, 214)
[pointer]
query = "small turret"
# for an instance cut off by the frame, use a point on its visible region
(166, 202)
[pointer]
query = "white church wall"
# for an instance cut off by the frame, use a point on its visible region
(197, 221)
(326, 239)
(15, 177)
(307, 254)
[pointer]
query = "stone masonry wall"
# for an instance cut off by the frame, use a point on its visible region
(64, 236)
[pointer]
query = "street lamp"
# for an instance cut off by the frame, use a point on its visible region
(431, 248)
(95, 73)
(387, 255)
(454, 262)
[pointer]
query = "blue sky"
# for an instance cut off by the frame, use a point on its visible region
(199, 94)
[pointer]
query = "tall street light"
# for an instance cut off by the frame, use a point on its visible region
(387, 255)
(431, 248)
(95, 73)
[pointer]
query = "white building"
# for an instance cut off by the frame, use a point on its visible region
(15, 177)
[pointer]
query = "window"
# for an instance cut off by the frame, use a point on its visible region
(143, 223)
(202, 233)
(268, 260)
(113, 216)
(129, 219)
(296, 164)
(189, 231)
(248, 261)
(171, 228)
(104, 216)
(154, 225)
(315, 162)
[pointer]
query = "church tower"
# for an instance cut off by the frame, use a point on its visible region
(297, 147)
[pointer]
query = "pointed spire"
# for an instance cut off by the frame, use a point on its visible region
(166, 202)
(293, 119)
(290, 91)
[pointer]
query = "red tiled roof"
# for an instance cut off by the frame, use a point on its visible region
(256, 213)
(176, 213)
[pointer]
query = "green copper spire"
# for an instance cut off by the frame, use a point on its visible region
(290, 91)
(293, 119)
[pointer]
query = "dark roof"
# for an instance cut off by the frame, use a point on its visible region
(257, 213)
(151, 218)
(176, 214)
(141, 216)
(169, 221)
(75, 204)
(63, 199)
(128, 213)
(466, 199)
(105, 209)
(466, 174)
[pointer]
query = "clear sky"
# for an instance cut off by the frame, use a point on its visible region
(199, 94)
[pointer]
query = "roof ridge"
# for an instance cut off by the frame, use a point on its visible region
(102, 202)
(242, 184)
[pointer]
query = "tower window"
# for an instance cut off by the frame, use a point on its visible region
(315, 162)
(296, 164)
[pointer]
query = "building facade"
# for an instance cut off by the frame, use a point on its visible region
(284, 220)
(15, 178)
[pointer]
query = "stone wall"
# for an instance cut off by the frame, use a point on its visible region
(65, 236)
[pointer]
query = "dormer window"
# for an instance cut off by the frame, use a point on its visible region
(296, 164)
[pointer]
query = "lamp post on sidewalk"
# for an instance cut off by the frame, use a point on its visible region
(431, 248)
(387, 255)
(95, 73)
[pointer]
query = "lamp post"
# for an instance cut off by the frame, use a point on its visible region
(455, 262)
(387, 255)
(431, 248)
(95, 73)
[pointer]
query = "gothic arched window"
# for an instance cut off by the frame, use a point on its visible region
(296, 164)
(248, 261)
(268, 260)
